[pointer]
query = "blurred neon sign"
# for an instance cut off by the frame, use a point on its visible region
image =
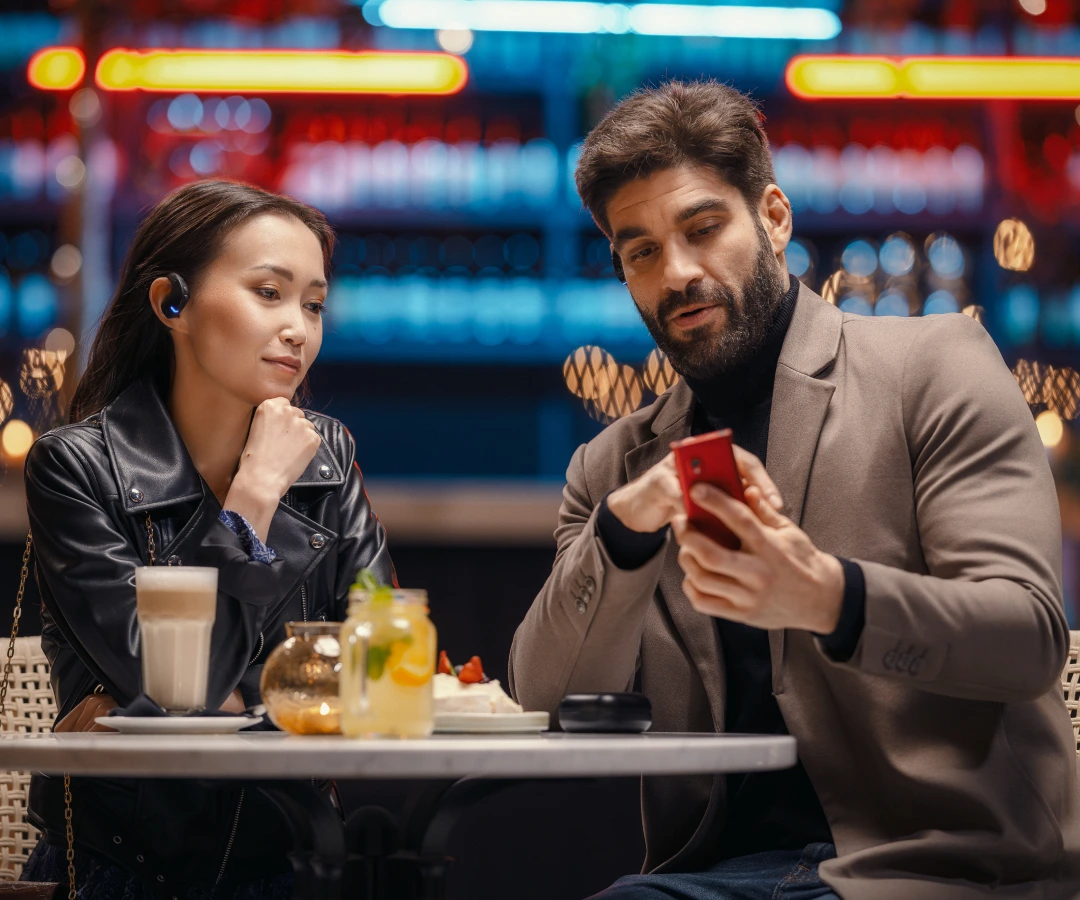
(588, 17)
(934, 78)
(56, 68)
(256, 71)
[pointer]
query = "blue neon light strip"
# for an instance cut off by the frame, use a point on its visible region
(590, 17)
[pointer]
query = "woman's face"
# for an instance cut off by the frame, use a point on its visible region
(253, 324)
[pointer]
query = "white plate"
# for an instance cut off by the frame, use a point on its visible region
(178, 724)
(489, 723)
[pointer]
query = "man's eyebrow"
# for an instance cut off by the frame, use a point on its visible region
(714, 204)
(627, 234)
(287, 274)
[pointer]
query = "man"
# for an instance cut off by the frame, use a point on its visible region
(896, 604)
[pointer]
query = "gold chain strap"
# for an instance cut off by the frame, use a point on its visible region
(15, 624)
(23, 574)
(150, 539)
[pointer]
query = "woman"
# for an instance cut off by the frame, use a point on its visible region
(184, 435)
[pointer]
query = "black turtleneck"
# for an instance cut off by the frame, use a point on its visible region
(773, 810)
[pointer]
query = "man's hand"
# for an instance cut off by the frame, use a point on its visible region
(779, 579)
(653, 500)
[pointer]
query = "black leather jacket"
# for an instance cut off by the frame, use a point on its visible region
(89, 488)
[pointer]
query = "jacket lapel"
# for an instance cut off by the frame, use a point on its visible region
(800, 397)
(800, 403)
(697, 631)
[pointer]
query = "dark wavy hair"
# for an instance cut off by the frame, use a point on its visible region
(184, 233)
(702, 123)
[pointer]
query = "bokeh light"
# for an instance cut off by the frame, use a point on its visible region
(454, 40)
(16, 438)
(85, 107)
(860, 259)
(1051, 428)
(66, 262)
(892, 302)
(61, 342)
(70, 172)
(800, 259)
(945, 255)
(897, 255)
(1033, 7)
(1014, 246)
(940, 302)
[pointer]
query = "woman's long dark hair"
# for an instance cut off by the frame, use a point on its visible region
(184, 233)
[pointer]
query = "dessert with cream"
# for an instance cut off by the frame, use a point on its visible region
(467, 690)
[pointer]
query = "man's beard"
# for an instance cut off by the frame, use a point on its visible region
(701, 353)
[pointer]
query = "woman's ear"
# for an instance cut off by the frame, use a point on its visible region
(161, 296)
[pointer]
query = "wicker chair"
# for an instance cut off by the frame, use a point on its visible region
(31, 710)
(1070, 684)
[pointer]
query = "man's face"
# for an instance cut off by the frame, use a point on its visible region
(705, 271)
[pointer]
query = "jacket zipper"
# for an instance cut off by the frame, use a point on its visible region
(303, 600)
(232, 838)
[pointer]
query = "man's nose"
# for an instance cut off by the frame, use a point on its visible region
(681, 267)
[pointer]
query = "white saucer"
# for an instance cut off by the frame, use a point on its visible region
(178, 724)
(489, 723)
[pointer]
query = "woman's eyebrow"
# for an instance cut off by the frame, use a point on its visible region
(287, 274)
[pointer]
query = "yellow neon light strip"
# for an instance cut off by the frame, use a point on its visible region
(935, 77)
(281, 71)
(56, 68)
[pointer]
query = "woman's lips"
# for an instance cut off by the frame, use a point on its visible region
(290, 366)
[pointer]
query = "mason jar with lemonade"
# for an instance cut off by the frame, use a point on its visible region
(388, 654)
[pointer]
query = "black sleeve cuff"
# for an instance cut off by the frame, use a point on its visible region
(628, 549)
(842, 642)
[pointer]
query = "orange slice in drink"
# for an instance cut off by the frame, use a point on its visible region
(414, 664)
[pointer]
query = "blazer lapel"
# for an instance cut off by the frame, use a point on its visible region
(697, 631)
(800, 403)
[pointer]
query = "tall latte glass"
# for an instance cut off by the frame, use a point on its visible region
(176, 610)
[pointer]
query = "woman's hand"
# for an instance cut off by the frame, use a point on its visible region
(279, 447)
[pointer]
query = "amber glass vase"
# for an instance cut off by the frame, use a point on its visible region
(300, 679)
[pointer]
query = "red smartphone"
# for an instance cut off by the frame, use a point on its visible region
(709, 458)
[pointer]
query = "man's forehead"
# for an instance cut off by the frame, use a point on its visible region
(665, 191)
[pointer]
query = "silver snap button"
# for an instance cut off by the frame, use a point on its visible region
(174, 560)
(116, 839)
(140, 858)
(318, 541)
(325, 472)
(581, 607)
(161, 878)
(135, 495)
(590, 584)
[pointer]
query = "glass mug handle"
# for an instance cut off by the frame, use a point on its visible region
(359, 643)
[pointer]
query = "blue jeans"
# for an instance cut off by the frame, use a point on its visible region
(773, 875)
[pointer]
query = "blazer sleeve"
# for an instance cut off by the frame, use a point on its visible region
(363, 541)
(583, 630)
(87, 560)
(986, 621)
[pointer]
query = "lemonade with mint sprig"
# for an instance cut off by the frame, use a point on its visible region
(388, 660)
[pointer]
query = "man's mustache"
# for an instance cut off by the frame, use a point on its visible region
(679, 302)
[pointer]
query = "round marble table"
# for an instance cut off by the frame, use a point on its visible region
(272, 755)
(329, 855)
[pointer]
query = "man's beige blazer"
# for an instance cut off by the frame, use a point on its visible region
(942, 752)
